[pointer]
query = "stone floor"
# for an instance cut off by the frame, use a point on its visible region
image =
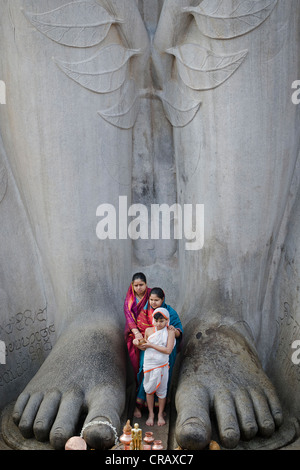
(294, 446)
(158, 431)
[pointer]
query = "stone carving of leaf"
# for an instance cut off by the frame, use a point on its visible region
(103, 73)
(124, 113)
(179, 109)
(77, 24)
(202, 69)
(225, 19)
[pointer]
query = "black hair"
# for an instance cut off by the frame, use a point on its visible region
(140, 276)
(158, 291)
(158, 316)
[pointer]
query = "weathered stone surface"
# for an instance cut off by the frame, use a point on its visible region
(162, 102)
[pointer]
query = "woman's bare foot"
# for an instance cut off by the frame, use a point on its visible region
(137, 412)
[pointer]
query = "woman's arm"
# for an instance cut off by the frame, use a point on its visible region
(176, 330)
(137, 333)
(138, 341)
(175, 322)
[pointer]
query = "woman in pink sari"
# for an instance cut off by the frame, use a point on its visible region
(136, 299)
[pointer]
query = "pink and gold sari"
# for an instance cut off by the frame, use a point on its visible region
(136, 317)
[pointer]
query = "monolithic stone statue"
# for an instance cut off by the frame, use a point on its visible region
(161, 102)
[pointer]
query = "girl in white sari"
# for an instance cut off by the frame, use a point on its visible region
(160, 342)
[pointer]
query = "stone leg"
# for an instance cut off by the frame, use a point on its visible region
(66, 161)
(238, 158)
(284, 358)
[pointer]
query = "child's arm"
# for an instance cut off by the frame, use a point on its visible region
(164, 349)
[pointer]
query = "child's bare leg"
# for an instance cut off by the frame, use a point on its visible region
(161, 407)
(150, 403)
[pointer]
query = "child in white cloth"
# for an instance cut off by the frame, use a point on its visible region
(160, 342)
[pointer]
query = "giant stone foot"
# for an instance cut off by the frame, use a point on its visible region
(83, 376)
(221, 375)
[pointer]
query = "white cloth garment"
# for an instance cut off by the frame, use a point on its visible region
(156, 365)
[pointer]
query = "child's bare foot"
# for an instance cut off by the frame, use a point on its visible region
(137, 413)
(150, 420)
(160, 420)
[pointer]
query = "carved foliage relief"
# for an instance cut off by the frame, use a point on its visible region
(84, 24)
